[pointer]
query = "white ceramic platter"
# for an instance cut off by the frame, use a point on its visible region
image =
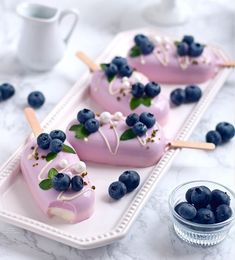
(111, 220)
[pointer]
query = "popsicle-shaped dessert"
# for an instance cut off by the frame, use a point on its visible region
(135, 140)
(55, 176)
(117, 87)
(185, 62)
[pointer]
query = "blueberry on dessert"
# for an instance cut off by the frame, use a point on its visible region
(137, 90)
(36, 99)
(111, 70)
(131, 179)
(189, 39)
(92, 125)
(85, 114)
(152, 89)
(43, 141)
(56, 145)
(195, 50)
(119, 61)
(182, 49)
(117, 190)
(61, 182)
(125, 71)
(148, 119)
(132, 119)
(58, 134)
(139, 129)
(77, 183)
(143, 45)
(177, 96)
(6, 91)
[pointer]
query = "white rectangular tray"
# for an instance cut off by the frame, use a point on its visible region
(111, 220)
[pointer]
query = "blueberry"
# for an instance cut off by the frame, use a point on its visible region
(201, 196)
(125, 71)
(188, 39)
(192, 93)
(148, 119)
(195, 50)
(119, 61)
(131, 179)
(92, 125)
(137, 90)
(226, 131)
(84, 115)
(140, 38)
(152, 89)
(36, 99)
(117, 190)
(188, 194)
(6, 91)
(77, 183)
(43, 141)
(186, 210)
(56, 145)
(58, 134)
(132, 119)
(204, 216)
(178, 206)
(61, 182)
(177, 96)
(219, 197)
(214, 137)
(139, 129)
(182, 49)
(222, 213)
(146, 47)
(111, 70)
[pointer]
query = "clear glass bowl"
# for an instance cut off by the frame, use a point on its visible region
(194, 233)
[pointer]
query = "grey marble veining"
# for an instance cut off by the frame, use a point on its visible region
(152, 236)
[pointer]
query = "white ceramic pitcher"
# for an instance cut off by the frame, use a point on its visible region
(41, 46)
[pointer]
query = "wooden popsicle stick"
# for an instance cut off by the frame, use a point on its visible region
(191, 145)
(85, 59)
(33, 121)
(229, 64)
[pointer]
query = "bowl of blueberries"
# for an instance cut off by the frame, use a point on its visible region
(202, 212)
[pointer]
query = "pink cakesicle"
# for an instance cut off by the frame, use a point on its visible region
(165, 66)
(68, 205)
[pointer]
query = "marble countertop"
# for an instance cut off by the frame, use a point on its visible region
(151, 236)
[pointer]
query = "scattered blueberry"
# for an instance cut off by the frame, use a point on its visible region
(139, 129)
(119, 61)
(188, 39)
(6, 91)
(226, 131)
(36, 99)
(140, 38)
(131, 179)
(58, 134)
(219, 197)
(84, 115)
(125, 71)
(188, 194)
(146, 47)
(204, 216)
(186, 210)
(182, 49)
(201, 196)
(132, 119)
(152, 89)
(43, 141)
(117, 190)
(137, 90)
(77, 183)
(214, 137)
(192, 93)
(111, 70)
(61, 182)
(195, 50)
(222, 213)
(92, 125)
(177, 96)
(56, 145)
(147, 119)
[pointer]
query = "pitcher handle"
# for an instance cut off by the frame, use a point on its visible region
(76, 17)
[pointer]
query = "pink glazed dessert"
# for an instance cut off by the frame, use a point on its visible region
(170, 62)
(113, 144)
(70, 206)
(115, 95)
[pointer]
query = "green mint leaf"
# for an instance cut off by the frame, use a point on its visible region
(135, 102)
(127, 135)
(68, 149)
(110, 79)
(135, 51)
(52, 172)
(103, 66)
(50, 156)
(45, 184)
(80, 131)
(146, 101)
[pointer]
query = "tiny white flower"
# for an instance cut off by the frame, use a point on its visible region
(118, 116)
(63, 163)
(105, 117)
(80, 167)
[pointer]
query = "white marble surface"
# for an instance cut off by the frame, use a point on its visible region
(151, 237)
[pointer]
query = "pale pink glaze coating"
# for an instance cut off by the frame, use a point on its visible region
(201, 70)
(78, 209)
(129, 153)
(99, 91)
